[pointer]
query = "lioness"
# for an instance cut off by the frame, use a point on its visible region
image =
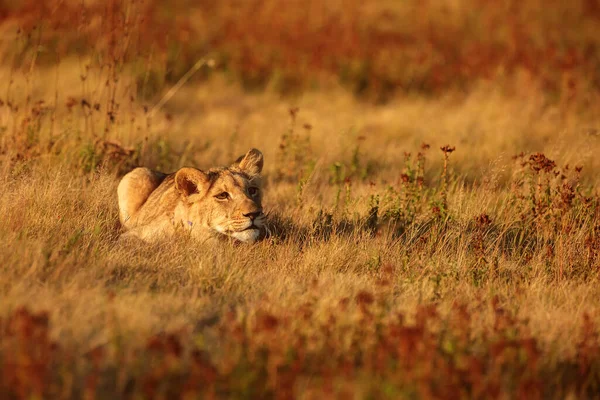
(221, 202)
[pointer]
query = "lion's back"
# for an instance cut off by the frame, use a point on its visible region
(136, 189)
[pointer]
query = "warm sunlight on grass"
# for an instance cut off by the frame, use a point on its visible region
(430, 178)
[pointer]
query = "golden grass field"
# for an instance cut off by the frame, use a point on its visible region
(436, 242)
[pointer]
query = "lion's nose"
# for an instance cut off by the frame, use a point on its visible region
(253, 215)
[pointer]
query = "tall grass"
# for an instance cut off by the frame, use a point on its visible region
(376, 48)
(426, 247)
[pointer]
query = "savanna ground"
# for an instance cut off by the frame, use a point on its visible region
(430, 179)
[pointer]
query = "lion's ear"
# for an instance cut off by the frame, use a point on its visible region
(189, 181)
(251, 163)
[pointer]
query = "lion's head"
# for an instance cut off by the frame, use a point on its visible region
(224, 200)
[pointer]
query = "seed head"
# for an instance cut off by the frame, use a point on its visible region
(483, 220)
(539, 162)
(447, 148)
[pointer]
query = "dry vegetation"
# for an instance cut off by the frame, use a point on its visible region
(436, 233)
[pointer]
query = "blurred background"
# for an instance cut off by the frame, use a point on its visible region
(492, 77)
(374, 48)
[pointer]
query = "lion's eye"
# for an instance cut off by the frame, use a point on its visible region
(252, 191)
(222, 196)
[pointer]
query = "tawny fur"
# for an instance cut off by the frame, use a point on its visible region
(218, 203)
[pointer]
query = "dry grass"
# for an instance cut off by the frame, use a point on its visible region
(395, 269)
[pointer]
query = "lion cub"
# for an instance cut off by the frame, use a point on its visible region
(221, 202)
